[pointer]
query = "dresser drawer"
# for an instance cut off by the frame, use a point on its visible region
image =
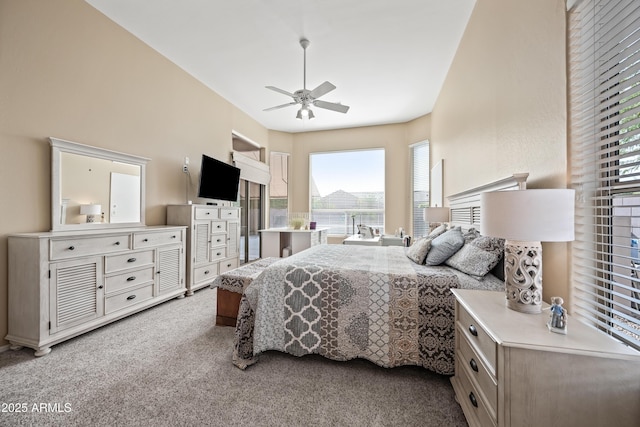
(218, 253)
(206, 213)
(126, 261)
(218, 239)
(90, 245)
(476, 370)
(218, 226)
(156, 238)
(126, 280)
(472, 400)
(228, 264)
(226, 213)
(205, 273)
(478, 337)
(128, 298)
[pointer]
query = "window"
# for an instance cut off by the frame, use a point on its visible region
(604, 70)
(347, 189)
(419, 186)
(279, 190)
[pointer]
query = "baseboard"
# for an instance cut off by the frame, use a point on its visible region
(4, 348)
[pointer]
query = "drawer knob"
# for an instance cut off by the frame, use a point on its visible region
(473, 330)
(145, 240)
(472, 398)
(71, 248)
(219, 226)
(131, 260)
(219, 253)
(130, 297)
(173, 237)
(131, 279)
(473, 365)
(117, 243)
(208, 213)
(206, 272)
(100, 287)
(228, 265)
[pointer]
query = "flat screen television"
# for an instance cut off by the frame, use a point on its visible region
(218, 180)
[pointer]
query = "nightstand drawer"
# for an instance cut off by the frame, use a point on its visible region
(472, 401)
(478, 337)
(476, 369)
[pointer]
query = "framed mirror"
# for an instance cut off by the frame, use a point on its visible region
(95, 188)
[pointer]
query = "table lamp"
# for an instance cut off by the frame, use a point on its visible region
(436, 215)
(524, 218)
(91, 211)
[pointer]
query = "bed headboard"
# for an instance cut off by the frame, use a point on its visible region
(465, 206)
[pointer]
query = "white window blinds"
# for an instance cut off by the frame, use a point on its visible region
(604, 100)
(420, 186)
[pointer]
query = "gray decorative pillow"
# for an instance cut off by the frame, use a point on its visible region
(444, 246)
(470, 234)
(437, 231)
(478, 257)
(418, 251)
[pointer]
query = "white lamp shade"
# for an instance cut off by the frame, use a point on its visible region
(436, 215)
(528, 215)
(90, 209)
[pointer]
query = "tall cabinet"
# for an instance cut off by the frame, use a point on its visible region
(67, 283)
(213, 236)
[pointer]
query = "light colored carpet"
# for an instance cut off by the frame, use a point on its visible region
(170, 365)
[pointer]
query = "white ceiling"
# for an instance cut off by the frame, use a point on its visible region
(387, 59)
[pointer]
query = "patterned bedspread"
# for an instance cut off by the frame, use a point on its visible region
(345, 302)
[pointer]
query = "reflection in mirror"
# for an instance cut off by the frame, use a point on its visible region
(95, 188)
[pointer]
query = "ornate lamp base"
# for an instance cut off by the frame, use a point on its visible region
(523, 275)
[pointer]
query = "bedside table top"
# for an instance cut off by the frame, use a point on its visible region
(515, 329)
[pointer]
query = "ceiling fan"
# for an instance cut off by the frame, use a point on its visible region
(306, 97)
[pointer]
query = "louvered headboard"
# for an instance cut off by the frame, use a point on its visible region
(465, 206)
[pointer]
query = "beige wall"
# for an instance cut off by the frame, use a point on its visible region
(503, 108)
(68, 71)
(395, 139)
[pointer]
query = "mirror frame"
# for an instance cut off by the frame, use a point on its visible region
(59, 146)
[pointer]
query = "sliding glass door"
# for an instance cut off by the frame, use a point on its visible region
(251, 195)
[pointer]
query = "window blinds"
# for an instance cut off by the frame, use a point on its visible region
(420, 186)
(604, 100)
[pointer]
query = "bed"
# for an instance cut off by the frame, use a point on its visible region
(378, 303)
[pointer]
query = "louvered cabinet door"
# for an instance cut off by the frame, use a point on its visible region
(233, 239)
(76, 293)
(170, 269)
(201, 242)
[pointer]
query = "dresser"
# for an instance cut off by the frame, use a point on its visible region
(64, 284)
(213, 237)
(279, 242)
(511, 371)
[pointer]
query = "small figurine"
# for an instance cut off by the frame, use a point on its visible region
(558, 321)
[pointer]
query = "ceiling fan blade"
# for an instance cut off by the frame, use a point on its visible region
(331, 106)
(284, 92)
(325, 87)
(280, 106)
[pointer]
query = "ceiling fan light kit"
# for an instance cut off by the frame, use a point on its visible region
(306, 97)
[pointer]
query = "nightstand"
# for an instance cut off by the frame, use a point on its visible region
(511, 371)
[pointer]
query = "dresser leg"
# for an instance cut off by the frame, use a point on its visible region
(42, 351)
